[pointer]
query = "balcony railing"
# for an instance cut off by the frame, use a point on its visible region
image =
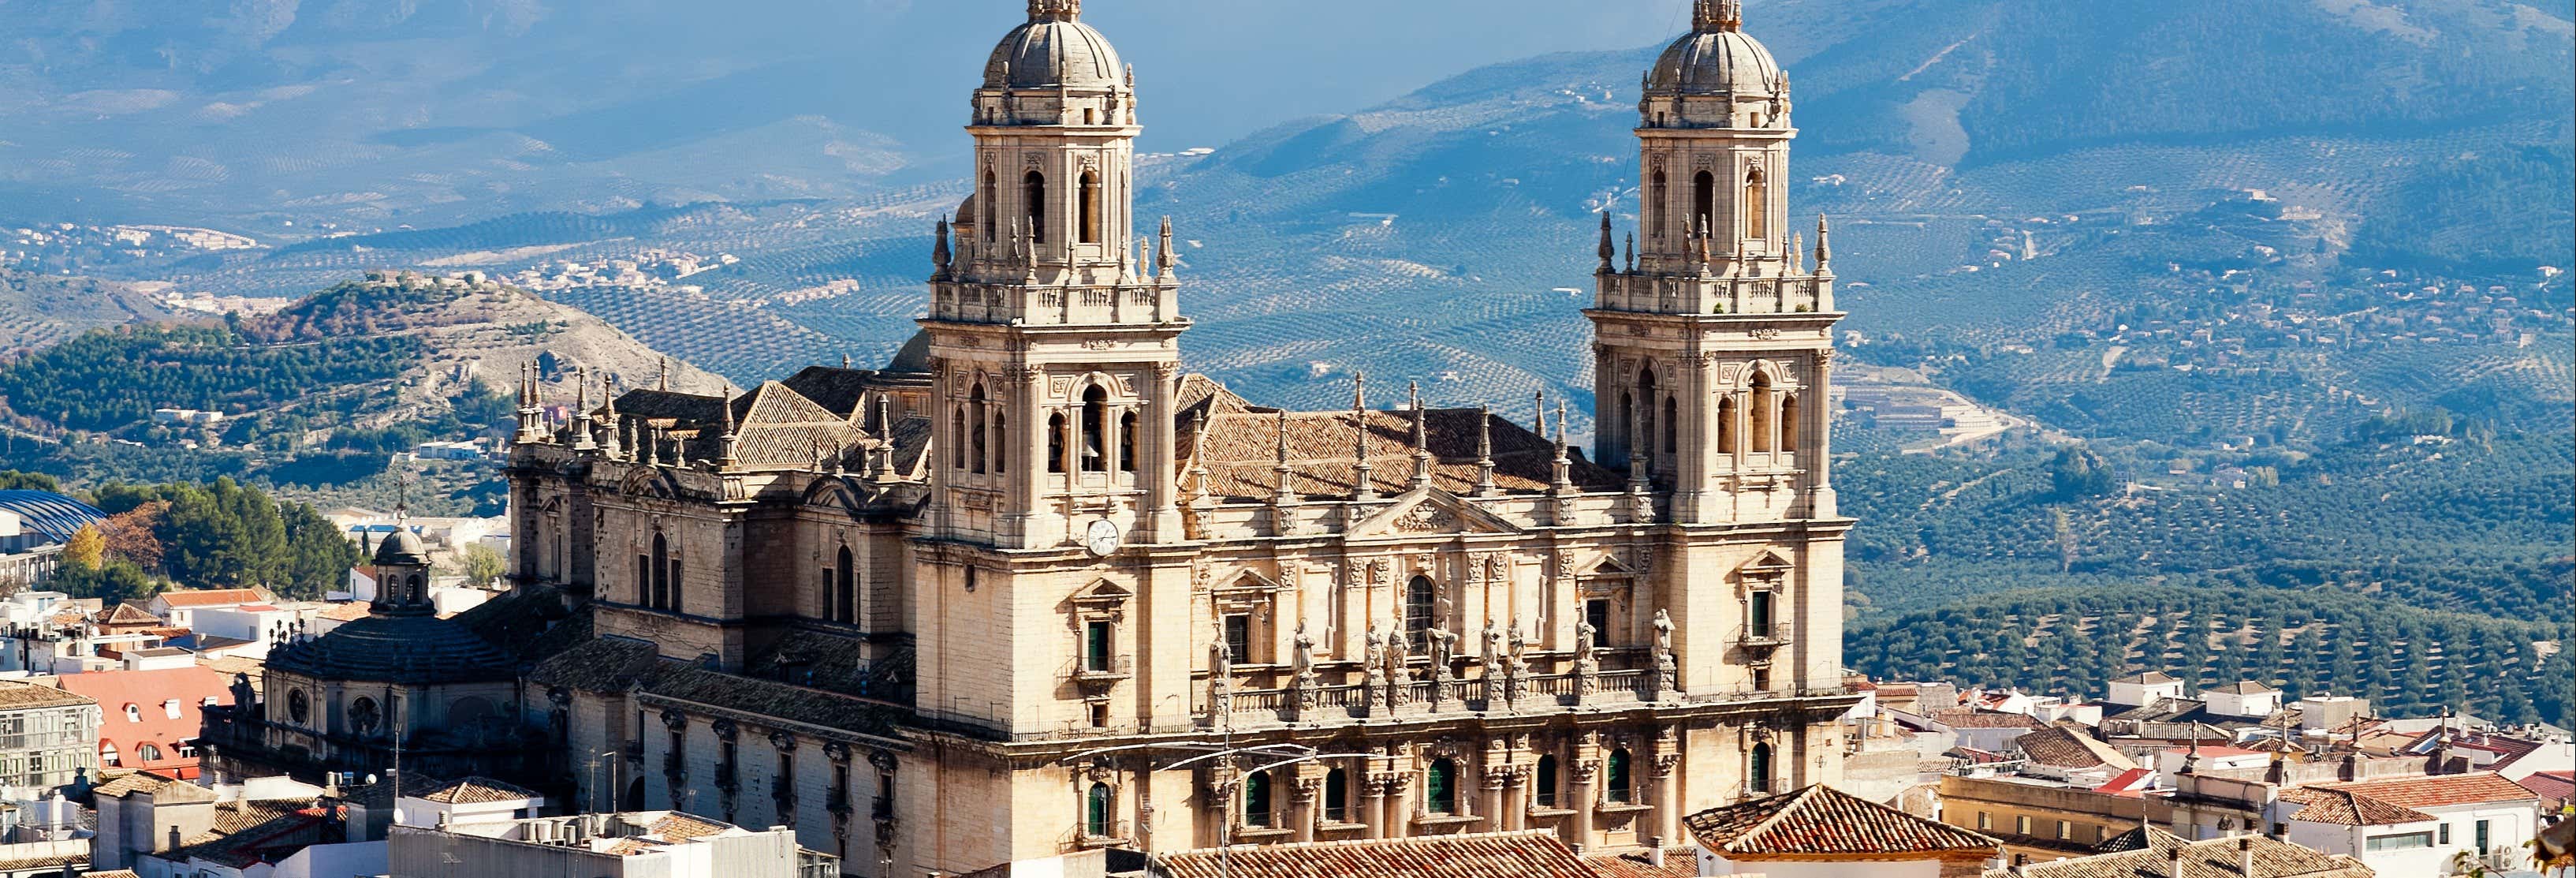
(1103, 670)
(1634, 685)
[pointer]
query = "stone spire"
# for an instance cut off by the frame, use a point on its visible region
(1484, 451)
(1561, 470)
(1609, 250)
(1421, 440)
(1542, 414)
(1824, 247)
(1285, 493)
(729, 444)
(1367, 486)
(940, 256)
(664, 382)
(581, 439)
(1164, 260)
(1055, 10)
(883, 466)
(1632, 252)
(1718, 16)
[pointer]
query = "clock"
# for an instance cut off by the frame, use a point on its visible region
(1101, 537)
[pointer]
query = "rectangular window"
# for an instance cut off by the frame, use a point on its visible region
(1985, 821)
(1095, 647)
(2065, 831)
(1760, 621)
(2446, 833)
(1099, 715)
(1761, 680)
(1597, 612)
(2404, 841)
(2484, 838)
(2021, 825)
(1238, 639)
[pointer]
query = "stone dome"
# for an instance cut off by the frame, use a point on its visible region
(402, 548)
(1715, 62)
(1054, 50)
(418, 650)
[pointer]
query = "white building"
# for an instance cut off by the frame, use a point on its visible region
(2243, 700)
(645, 844)
(2144, 689)
(2413, 825)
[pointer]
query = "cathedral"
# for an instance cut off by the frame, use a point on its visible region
(1032, 587)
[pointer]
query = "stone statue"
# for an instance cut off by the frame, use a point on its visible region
(1305, 656)
(1493, 655)
(1220, 661)
(1663, 633)
(1376, 654)
(1584, 637)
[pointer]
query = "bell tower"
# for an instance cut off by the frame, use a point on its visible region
(1713, 334)
(1054, 341)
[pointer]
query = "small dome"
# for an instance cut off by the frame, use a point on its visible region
(402, 548)
(914, 356)
(1715, 62)
(1053, 50)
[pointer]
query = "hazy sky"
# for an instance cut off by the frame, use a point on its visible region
(1214, 70)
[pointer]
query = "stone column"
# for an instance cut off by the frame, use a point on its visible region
(1668, 800)
(1492, 804)
(1579, 797)
(1399, 804)
(1515, 815)
(1306, 815)
(1373, 805)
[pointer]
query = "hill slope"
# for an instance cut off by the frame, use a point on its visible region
(38, 310)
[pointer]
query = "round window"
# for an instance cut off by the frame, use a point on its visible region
(298, 708)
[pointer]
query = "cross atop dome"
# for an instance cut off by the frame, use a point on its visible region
(1722, 16)
(1055, 10)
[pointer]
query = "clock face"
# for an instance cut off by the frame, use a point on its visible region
(1101, 537)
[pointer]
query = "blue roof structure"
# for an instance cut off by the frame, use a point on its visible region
(51, 515)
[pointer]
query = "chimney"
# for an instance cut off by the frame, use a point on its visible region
(2245, 856)
(2175, 861)
(1655, 852)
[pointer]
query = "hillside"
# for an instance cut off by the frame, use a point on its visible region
(2074, 642)
(316, 395)
(38, 310)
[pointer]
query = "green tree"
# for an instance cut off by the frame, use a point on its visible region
(318, 557)
(13, 480)
(116, 583)
(481, 564)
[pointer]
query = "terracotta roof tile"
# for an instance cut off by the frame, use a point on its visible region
(19, 695)
(2437, 791)
(211, 597)
(1678, 863)
(1823, 820)
(1240, 453)
(1486, 855)
(2345, 808)
(2062, 747)
(2551, 786)
(2214, 858)
(477, 790)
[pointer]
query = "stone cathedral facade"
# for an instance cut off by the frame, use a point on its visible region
(979, 604)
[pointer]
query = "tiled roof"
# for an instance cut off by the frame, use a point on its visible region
(43, 861)
(18, 695)
(1821, 820)
(2437, 791)
(613, 664)
(2551, 786)
(839, 390)
(160, 786)
(128, 614)
(1985, 719)
(2345, 808)
(2247, 688)
(2150, 678)
(682, 827)
(2213, 858)
(1240, 453)
(345, 612)
(476, 791)
(1486, 855)
(777, 427)
(1678, 863)
(2061, 747)
(210, 597)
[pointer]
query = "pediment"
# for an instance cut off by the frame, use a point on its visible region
(1430, 511)
(1249, 581)
(1607, 565)
(831, 493)
(1102, 593)
(647, 481)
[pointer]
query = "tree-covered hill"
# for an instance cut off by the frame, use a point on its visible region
(2409, 662)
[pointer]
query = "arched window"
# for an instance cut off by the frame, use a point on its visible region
(1127, 442)
(1442, 784)
(1757, 206)
(1096, 805)
(1420, 599)
(1758, 614)
(1621, 792)
(1033, 194)
(1788, 422)
(1644, 432)
(1095, 417)
(147, 752)
(1761, 412)
(661, 573)
(1090, 207)
(846, 591)
(975, 421)
(133, 714)
(1659, 202)
(1726, 425)
(1547, 781)
(957, 439)
(1703, 203)
(1256, 799)
(992, 197)
(1337, 796)
(1757, 769)
(1627, 418)
(1055, 443)
(1001, 444)
(298, 708)
(364, 716)
(107, 754)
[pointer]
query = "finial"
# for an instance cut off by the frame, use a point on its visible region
(1484, 451)
(1824, 248)
(729, 445)
(1542, 413)
(1718, 16)
(664, 382)
(1797, 252)
(1055, 10)
(1632, 252)
(1367, 486)
(1707, 266)
(939, 253)
(1421, 439)
(1609, 250)
(1359, 390)
(1165, 260)
(845, 361)
(1285, 492)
